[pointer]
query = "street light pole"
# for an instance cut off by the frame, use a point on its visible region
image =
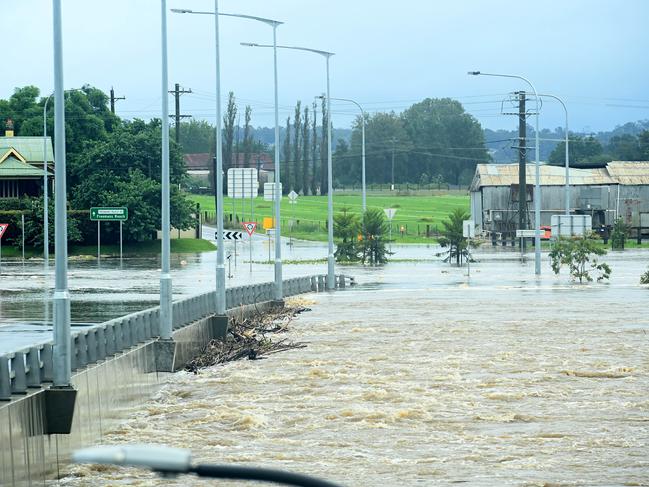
(331, 277)
(220, 267)
(567, 155)
(537, 186)
(166, 296)
(364, 193)
(46, 237)
(61, 354)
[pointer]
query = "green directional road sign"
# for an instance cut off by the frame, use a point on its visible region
(109, 214)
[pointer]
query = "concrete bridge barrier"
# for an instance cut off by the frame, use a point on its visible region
(114, 369)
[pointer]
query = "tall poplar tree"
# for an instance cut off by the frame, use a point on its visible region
(297, 153)
(247, 137)
(228, 132)
(314, 151)
(286, 173)
(323, 148)
(305, 152)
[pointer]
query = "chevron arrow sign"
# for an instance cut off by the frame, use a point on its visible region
(228, 235)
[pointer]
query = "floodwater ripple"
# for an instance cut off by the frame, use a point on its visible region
(508, 381)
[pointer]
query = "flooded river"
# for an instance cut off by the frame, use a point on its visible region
(421, 376)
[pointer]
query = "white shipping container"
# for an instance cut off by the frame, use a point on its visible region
(571, 225)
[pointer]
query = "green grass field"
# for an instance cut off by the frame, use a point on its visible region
(414, 213)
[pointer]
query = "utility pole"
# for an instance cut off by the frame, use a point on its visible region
(522, 156)
(113, 99)
(177, 91)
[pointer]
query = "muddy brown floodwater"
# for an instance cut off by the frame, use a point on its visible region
(419, 377)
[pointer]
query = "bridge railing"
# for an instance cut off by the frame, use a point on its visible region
(31, 367)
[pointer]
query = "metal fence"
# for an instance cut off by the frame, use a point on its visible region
(32, 366)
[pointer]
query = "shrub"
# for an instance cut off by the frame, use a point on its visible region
(579, 254)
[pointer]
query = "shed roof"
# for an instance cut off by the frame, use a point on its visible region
(31, 148)
(629, 172)
(507, 174)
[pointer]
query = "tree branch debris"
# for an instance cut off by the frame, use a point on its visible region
(249, 338)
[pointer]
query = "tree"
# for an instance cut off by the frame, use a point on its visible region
(286, 173)
(247, 137)
(324, 149)
(306, 127)
(380, 129)
(340, 161)
(445, 140)
(453, 238)
(374, 230)
(583, 151)
(624, 147)
(579, 254)
(197, 136)
(228, 132)
(297, 150)
(346, 228)
(619, 233)
(314, 151)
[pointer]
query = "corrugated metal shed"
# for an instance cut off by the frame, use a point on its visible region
(507, 174)
(629, 172)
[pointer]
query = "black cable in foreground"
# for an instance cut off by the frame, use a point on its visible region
(259, 474)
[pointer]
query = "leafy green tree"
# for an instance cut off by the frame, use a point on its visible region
(452, 237)
(374, 232)
(346, 228)
(583, 151)
(445, 140)
(624, 147)
(381, 129)
(197, 136)
(579, 254)
(619, 234)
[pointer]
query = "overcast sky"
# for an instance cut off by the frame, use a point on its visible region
(388, 54)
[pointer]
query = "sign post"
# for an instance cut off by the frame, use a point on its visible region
(468, 231)
(292, 200)
(108, 214)
(390, 212)
(250, 229)
(3, 229)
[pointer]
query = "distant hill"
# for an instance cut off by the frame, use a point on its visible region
(500, 142)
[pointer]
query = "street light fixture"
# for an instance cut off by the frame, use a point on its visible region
(220, 266)
(174, 461)
(331, 277)
(364, 195)
(537, 186)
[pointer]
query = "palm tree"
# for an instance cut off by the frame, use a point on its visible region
(453, 238)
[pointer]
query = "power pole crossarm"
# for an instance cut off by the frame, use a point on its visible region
(177, 91)
(113, 99)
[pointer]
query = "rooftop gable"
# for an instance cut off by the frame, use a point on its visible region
(31, 148)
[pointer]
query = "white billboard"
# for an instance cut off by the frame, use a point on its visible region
(242, 182)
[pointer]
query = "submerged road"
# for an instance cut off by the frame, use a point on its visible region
(420, 376)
